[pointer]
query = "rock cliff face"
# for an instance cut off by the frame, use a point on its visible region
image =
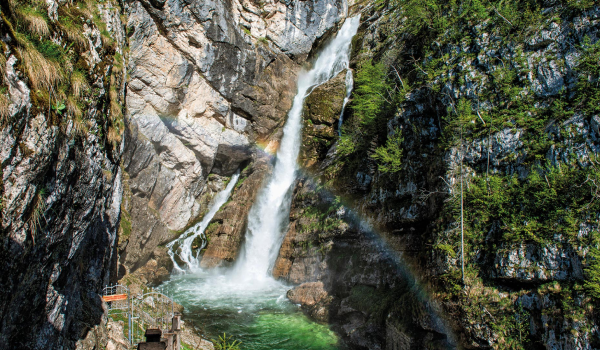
(61, 182)
(492, 105)
(346, 277)
(208, 81)
(344, 274)
(451, 95)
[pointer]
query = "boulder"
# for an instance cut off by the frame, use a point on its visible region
(313, 298)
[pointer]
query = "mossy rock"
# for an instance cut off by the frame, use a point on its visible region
(324, 104)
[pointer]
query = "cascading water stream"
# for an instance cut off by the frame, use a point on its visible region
(270, 212)
(246, 301)
(349, 87)
(182, 247)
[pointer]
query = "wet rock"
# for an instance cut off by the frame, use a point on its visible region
(322, 110)
(303, 251)
(226, 230)
(283, 263)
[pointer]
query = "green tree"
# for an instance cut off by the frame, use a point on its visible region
(588, 86)
(225, 342)
(389, 157)
(369, 95)
(592, 274)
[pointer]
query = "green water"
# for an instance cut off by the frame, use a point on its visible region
(258, 314)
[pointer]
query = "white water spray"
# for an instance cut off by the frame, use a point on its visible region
(185, 241)
(349, 87)
(269, 214)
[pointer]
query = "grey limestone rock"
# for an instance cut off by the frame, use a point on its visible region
(203, 89)
(529, 263)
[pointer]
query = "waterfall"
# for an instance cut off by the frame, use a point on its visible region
(349, 87)
(183, 244)
(269, 215)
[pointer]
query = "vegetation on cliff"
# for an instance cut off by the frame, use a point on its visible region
(504, 97)
(61, 92)
(55, 55)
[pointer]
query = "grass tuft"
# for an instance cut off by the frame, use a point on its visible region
(73, 108)
(80, 126)
(2, 66)
(79, 83)
(43, 73)
(113, 136)
(115, 107)
(4, 104)
(35, 20)
(73, 31)
(37, 214)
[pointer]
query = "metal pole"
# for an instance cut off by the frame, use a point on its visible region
(130, 315)
(462, 239)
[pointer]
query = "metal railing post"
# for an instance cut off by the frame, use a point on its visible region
(130, 315)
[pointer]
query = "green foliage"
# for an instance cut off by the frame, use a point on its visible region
(546, 203)
(389, 157)
(118, 60)
(185, 346)
(437, 45)
(374, 100)
(211, 228)
(447, 248)
(440, 27)
(225, 342)
(514, 328)
(240, 180)
(33, 20)
(322, 218)
(346, 145)
(125, 225)
(371, 87)
(592, 273)
(50, 50)
(54, 66)
(588, 86)
(432, 18)
(58, 107)
(457, 120)
(580, 4)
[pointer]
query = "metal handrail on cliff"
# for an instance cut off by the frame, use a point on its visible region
(152, 309)
(118, 299)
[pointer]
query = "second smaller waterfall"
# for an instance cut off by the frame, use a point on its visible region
(182, 246)
(349, 88)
